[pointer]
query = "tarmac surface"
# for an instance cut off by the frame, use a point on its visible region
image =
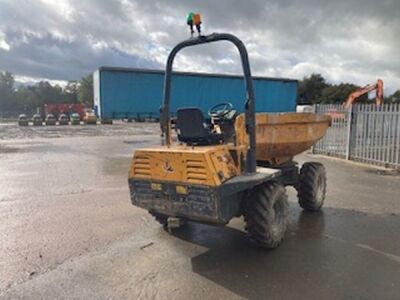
(68, 230)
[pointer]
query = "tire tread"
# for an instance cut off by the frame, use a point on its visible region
(307, 187)
(258, 215)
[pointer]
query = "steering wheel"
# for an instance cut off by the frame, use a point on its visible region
(220, 110)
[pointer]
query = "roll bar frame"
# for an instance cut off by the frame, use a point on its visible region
(249, 104)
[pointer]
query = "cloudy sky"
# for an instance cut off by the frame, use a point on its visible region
(344, 40)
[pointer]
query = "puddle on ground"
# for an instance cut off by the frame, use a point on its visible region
(34, 147)
(5, 149)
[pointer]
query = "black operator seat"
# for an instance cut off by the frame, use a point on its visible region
(192, 128)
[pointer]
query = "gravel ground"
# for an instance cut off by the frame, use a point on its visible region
(68, 230)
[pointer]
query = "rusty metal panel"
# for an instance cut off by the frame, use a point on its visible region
(279, 137)
(201, 203)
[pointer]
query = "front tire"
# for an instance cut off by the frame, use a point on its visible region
(311, 189)
(266, 215)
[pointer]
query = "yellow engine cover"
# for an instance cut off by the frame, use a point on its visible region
(205, 165)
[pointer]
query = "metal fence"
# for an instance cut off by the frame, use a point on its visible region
(363, 132)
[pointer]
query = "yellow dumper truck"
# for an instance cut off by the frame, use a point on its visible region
(230, 164)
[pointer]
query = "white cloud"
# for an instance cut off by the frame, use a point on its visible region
(352, 40)
(3, 44)
(61, 7)
(24, 80)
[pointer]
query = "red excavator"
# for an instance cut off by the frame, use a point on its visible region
(378, 86)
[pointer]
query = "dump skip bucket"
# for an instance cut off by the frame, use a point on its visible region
(281, 136)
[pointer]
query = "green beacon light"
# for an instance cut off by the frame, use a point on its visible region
(194, 19)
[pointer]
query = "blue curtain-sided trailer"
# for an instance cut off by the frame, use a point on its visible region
(137, 93)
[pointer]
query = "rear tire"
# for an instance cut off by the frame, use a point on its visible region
(311, 189)
(266, 215)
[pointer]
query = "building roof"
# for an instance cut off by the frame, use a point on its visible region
(218, 75)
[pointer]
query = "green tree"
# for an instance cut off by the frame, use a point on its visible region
(85, 91)
(6, 91)
(310, 89)
(394, 98)
(6, 81)
(26, 99)
(31, 97)
(46, 93)
(71, 92)
(339, 93)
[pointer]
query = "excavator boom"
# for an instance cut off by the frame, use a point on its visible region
(378, 86)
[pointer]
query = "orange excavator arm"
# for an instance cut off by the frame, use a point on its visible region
(378, 86)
